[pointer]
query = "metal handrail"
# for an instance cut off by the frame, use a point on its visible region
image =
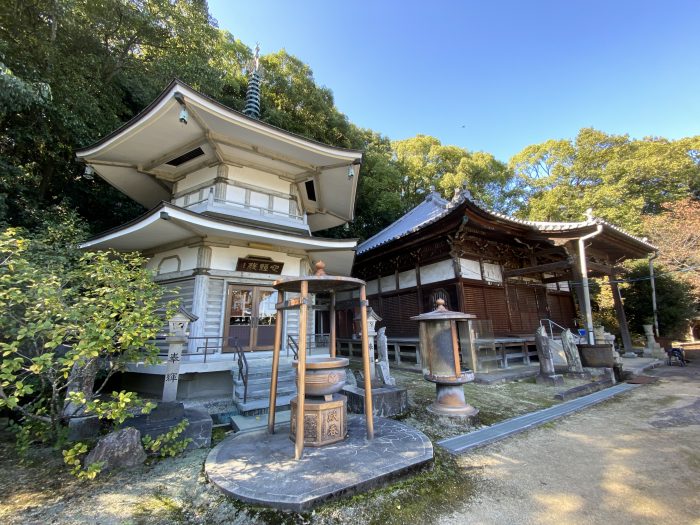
(204, 350)
(552, 323)
(312, 341)
(242, 367)
(291, 343)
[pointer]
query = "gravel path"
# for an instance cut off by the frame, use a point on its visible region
(635, 460)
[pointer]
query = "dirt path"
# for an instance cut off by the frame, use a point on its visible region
(634, 460)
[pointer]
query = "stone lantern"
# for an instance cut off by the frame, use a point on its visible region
(372, 320)
(439, 350)
(179, 323)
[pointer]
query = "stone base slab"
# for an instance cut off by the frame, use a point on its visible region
(257, 467)
(553, 380)
(162, 420)
(387, 401)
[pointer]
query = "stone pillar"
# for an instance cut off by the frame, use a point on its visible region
(199, 301)
(572, 355)
(652, 348)
(383, 364)
(177, 337)
(547, 374)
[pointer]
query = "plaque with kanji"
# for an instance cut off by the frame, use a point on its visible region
(258, 266)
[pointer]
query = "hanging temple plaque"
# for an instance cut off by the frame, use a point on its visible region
(245, 264)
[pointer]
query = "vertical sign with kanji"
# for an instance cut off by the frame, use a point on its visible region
(176, 340)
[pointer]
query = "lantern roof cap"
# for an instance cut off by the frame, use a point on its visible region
(181, 312)
(441, 313)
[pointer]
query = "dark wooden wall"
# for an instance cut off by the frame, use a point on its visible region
(514, 309)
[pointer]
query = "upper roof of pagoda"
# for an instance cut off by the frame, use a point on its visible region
(145, 157)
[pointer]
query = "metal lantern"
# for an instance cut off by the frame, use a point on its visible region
(439, 350)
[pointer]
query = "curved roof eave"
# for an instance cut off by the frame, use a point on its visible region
(179, 85)
(175, 212)
(465, 199)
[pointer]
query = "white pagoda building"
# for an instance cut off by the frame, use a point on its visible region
(233, 204)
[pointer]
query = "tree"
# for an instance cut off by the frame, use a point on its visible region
(676, 305)
(676, 232)
(68, 321)
(621, 178)
(428, 163)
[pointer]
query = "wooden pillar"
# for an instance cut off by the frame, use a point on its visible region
(369, 416)
(419, 289)
(301, 370)
(621, 317)
(331, 320)
(275, 371)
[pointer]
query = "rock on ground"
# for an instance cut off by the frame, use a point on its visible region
(119, 449)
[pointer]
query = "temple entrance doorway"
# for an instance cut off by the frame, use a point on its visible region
(250, 318)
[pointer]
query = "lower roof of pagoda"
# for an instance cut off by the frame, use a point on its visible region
(167, 225)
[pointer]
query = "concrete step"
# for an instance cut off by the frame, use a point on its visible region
(261, 406)
(250, 423)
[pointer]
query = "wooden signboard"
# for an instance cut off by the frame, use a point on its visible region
(258, 266)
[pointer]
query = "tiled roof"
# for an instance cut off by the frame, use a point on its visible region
(435, 207)
(428, 211)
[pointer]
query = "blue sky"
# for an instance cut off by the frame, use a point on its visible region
(492, 75)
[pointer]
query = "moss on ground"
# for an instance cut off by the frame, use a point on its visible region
(176, 491)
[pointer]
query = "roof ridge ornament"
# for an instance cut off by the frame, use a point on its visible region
(589, 215)
(252, 97)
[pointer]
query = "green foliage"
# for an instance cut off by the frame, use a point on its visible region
(29, 432)
(429, 163)
(118, 409)
(619, 177)
(674, 298)
(73, 458)
(169, 444)
(67, 317)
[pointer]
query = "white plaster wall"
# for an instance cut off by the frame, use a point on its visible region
(188, 260)
(388, 283)
(470, 269)
(564, 286)
(235, 193)
(436, 272)
(492, 273)
(196, 177)
(372, 287)
(258, 178)
(407, 279)
(226, 259)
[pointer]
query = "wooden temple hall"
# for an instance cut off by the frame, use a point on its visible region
(512, 275)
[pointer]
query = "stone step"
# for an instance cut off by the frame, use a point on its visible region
(264, 393)
(265, 371)
(250, 423)
(255, 382)
(261, 406)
